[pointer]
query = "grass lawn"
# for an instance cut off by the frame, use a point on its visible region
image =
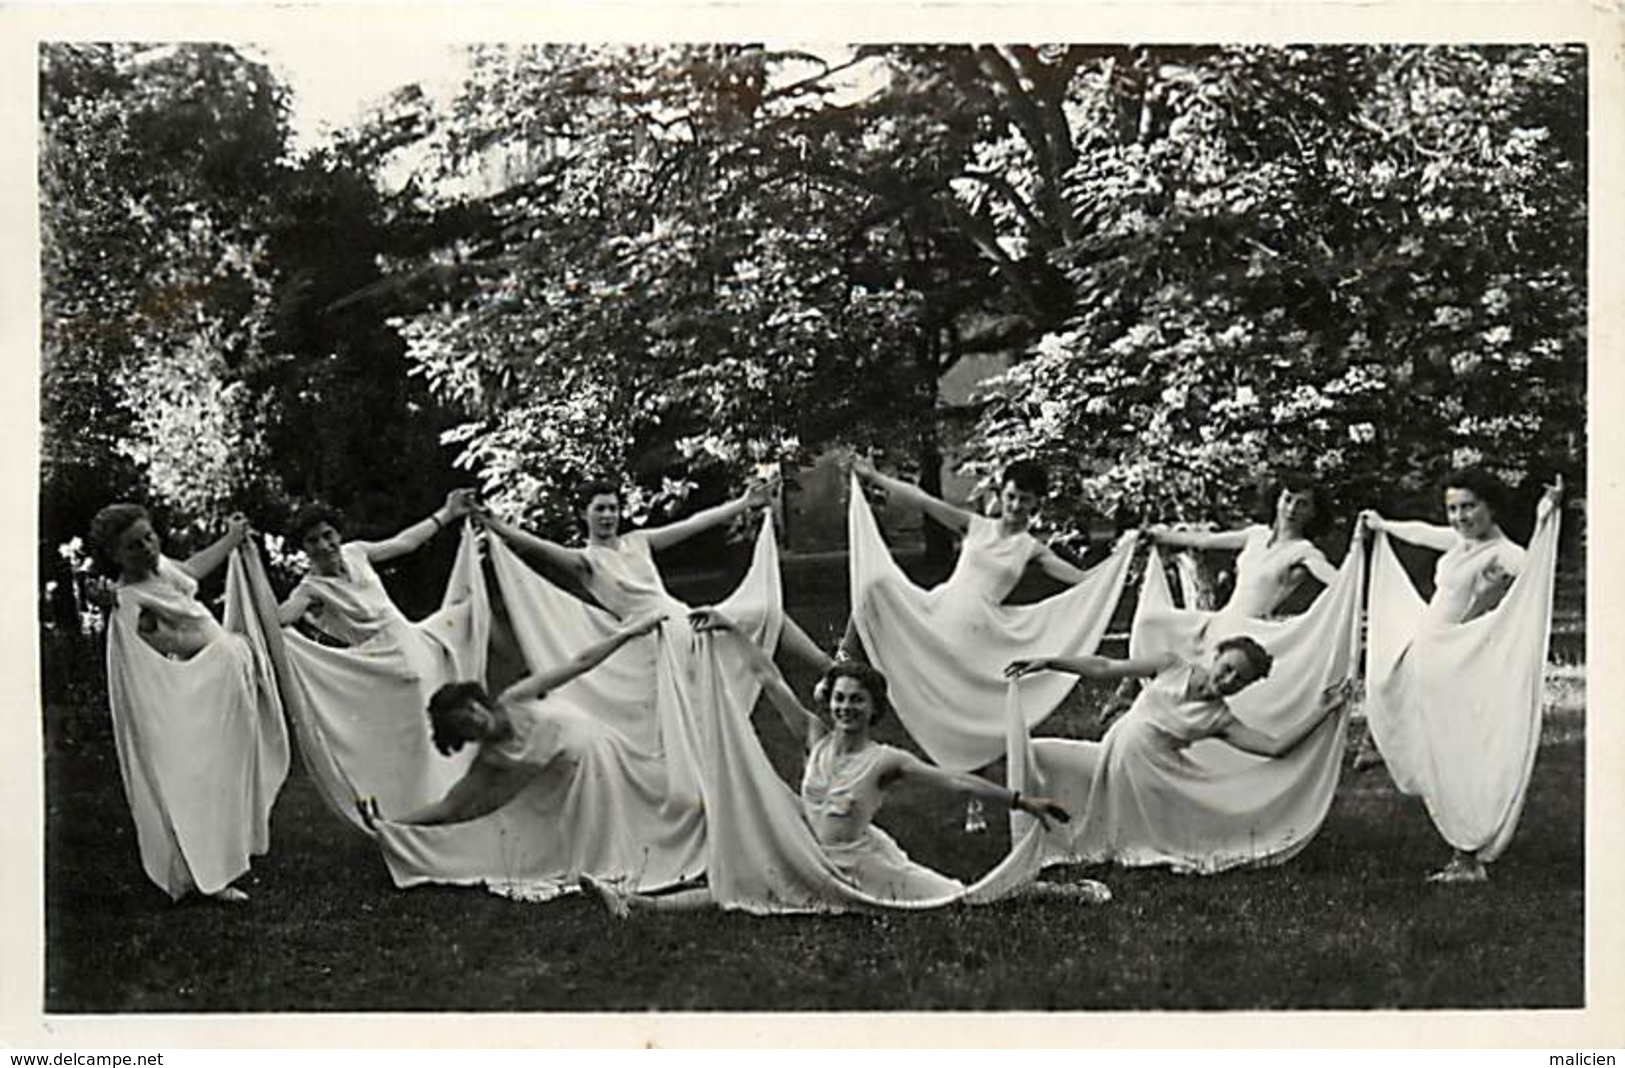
(1348, 924)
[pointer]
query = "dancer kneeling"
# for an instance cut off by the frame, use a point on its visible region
(1143, 799)
(519, 736)
(843, 786)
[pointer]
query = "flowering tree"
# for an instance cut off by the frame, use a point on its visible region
(1365, 263)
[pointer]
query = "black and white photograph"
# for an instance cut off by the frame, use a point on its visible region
(940, 514)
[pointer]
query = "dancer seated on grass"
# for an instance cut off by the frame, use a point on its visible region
(844, 783)
(943, 647)
(1144, 800)
(518, 735)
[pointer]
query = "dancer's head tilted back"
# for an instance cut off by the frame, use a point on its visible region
(853, 689)
(459, 713)
(1238, 662)
(598, 503)
(1297, 502)
(1473, 499)
(124, 541)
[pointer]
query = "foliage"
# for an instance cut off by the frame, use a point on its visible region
(1362, 262)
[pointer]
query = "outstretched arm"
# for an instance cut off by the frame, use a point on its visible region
(906, 765)
(459, 503)
(1197, 539)
(1093, 667)
(542, 681)
(1413, 531)
(957, 519)
(1051, 564)
(801, 723)
(484, 788)
(203, 562)
(526, 544)
(756, 495)
(1314, 561)
(1260, 743)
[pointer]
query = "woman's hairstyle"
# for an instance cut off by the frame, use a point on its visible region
(1481, 484)
(596, 487)
(107, 527)
(446, 700)
(1028, 476)
(1256, 654)
(872, 681)
(1297, 482)
(311, 516)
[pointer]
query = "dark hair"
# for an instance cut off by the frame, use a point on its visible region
(107, 527)
(1256, 654)
(446, 700)
(596, 487)
(311, 516)
(872, 681)
(1481, 484)
(1028, 476)
(1297, 482)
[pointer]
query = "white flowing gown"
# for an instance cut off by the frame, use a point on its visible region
(943, 651)
(1159, 789)
(201, 743)
(1455, 707)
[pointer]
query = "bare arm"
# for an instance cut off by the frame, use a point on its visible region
(300, 601)
(801, 723)
(908, 766)
(458, 504)
(1314, 561)
(1051, 564)
(529, 545)
(1413, 531)
(1233, 540)
(542, 681)
(757, 495)
(1260, 743)
(1093, 667)
(205, 561)
(949, 516)
(484, 788)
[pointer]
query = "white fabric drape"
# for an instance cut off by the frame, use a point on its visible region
(943, 651)
(1455, 707)
(1203, 806)
(619, 794)
(762, 857)
(361, 713)
(201, 742)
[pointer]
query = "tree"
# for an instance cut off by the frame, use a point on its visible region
(1363, 262)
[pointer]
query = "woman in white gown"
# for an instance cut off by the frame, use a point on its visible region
(943, 648)
(196, 718)
(1140, 797)
(521, 735)
(369, 678)
(1455, 716)
(843, 786)
(1274, 559)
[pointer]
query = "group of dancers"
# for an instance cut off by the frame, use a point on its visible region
(626, 765)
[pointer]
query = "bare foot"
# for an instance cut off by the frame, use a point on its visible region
(1461, 871)
(613, 900)
(229, 896)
